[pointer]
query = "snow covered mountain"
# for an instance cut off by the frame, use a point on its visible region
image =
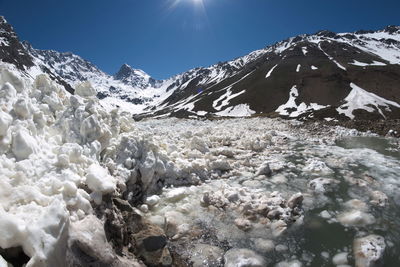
(307, 76)
(134, 77)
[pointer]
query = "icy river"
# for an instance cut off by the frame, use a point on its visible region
(282, 195)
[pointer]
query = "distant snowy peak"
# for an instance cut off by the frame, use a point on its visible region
(69, 66)
(135, 77)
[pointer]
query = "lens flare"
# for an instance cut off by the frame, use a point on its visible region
(197, 10)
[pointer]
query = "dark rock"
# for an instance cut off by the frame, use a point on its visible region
(295, 201)
(14, 255)
(153, 243)
(392, 29)
(364, 32)
(389, 41)
(151, 246)
(87, 246)
(13, 51)
(326, 33)
(122, 205)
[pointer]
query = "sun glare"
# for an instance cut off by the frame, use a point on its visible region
(198, 15)
(174, 3)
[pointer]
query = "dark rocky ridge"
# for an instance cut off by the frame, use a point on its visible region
(11, 50)
(134, 77)
(20, 54)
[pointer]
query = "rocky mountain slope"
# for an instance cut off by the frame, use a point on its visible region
(324, 75)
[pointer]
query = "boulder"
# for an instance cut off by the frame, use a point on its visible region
(88, 246)
(264, 170)
(295, 200)
(151, 245)
(369, 250)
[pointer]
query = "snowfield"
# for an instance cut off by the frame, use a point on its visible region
(59, 153)
(81, 183)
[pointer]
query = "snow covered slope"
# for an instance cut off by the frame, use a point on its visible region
(321, 66)
(60, 156)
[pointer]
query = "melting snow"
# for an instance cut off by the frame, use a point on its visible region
(370, 44)
(331, 58)
(358, 98)
(241, 110)
(270, 71)
(201, 113)
(361, 64)
(3, 41)
(383, 35)
(225, 98)
(298, 109)
(314, 68)
(304, 49)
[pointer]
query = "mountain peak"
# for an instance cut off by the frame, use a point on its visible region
(11, 50)
(134, 77)
(126, 71)
(326, 33)
(125, 67)
(392, 29)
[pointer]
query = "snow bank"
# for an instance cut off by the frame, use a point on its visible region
(241, 110)
(292, 109)
(358, 98)
(56, 161)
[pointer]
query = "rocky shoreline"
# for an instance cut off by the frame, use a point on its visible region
(389, 127)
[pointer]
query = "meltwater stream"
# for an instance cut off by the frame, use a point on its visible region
(349, 189)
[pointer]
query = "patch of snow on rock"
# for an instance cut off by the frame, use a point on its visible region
(270, 71)
(359, 98)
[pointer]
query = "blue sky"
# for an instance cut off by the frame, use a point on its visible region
(166, 37)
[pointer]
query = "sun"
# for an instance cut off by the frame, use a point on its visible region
(174, 3)
(198, 11)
